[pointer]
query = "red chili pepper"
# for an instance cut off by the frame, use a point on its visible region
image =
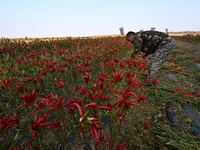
(146, 124)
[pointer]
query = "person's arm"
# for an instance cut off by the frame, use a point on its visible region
(137, 45)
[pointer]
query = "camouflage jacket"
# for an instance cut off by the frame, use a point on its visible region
(148, 41)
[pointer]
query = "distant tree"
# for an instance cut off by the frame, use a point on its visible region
(153, 28)
(121, 30)
(166, 30)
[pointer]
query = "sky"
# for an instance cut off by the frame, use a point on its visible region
(65, 18)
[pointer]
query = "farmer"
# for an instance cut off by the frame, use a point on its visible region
(151, 42)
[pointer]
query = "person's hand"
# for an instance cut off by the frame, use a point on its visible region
(132, 55)
(144, 56)
(129, 52)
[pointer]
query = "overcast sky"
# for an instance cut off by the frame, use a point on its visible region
(63, 18)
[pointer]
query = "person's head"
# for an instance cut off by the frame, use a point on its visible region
(130, 36)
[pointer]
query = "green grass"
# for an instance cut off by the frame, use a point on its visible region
(193, 39)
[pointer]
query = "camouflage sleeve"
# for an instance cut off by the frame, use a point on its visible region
(137, 45)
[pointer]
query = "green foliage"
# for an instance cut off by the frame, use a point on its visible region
(192, 39)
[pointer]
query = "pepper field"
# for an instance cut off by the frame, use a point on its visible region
(87, 93)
